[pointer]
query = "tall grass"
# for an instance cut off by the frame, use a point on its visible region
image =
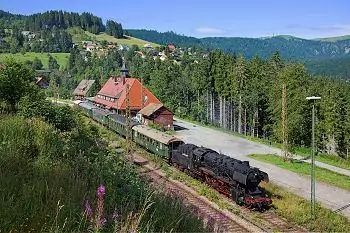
(46, 177)
(297, 210)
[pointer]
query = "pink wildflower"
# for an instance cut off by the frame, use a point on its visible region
(101, 191)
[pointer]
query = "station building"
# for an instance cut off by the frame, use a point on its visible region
(113, 96)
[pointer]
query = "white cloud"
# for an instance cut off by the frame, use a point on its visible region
(209, 30)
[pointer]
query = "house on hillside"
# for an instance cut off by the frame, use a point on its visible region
(41, 82)
(148, 46)
(83, 89)
(122, 91)
(86, 43)
(140, 53)
(156, 113)
(91, 48)
(28, 34)
(171, 47)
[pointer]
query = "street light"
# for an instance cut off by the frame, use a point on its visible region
(313, 197)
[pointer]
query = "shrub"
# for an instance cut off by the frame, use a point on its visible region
(47, 175)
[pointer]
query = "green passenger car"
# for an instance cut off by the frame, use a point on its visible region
(86, 107)
(118, 124)
(155, 141)
(100, 115)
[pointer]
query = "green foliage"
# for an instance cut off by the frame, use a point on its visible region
(245, 96)
(47, 176)
(15, 80)
(35, 105)
(53, 65)
(60, 19)
(114, 29)
(290, 47)
(37, 64)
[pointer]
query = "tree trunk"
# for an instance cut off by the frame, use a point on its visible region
(240, 114)
(234, 119)
(199, 112)
(220, 121)
(252, 132)
(207, 106)
(245, 121)
(257, 122)
(224, 115)
(231, 116)
(212, 108)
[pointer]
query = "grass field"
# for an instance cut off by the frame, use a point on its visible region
(79, 35)
(61, 58)
(302, 168)
(325, 158)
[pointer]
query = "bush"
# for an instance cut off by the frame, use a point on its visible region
(46, 177)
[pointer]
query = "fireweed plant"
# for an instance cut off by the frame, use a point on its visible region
(96, 219)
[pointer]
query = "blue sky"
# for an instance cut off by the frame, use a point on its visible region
(201, 18)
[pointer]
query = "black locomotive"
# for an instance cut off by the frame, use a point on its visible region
(232, 177)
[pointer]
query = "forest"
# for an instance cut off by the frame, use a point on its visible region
(320, 57)
(290, 47)
(245, 96)
(232, 92)
(47, 32)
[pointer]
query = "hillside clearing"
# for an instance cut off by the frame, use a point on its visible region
(61, 58)
(79, 35)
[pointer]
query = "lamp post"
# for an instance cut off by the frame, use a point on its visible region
(313, 197)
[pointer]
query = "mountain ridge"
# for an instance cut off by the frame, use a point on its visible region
(289, 46)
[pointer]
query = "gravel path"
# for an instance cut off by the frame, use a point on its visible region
(330, 196)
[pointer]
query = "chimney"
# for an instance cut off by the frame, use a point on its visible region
(124, 73)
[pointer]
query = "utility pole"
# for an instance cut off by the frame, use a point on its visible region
(128, 123)
(142, 94)
(284, 122)
(313, 188)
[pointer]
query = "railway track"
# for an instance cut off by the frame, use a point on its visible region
(214, 218)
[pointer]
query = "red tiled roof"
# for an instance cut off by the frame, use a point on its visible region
(118, 90)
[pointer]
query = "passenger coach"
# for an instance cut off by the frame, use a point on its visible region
(155, 141)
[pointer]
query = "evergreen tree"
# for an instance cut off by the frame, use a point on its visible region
(37, 64)
(53, 65)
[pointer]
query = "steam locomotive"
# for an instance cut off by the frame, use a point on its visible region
(234, 178)
(231, 177)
